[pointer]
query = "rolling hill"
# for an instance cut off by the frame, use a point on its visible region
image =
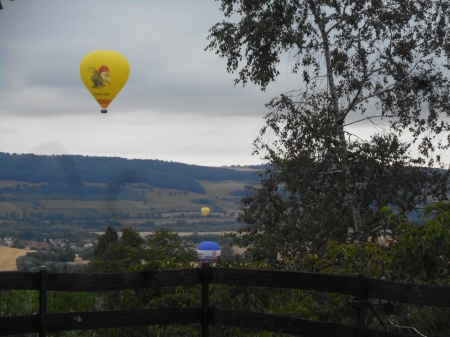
(66, 173)
(91, 190)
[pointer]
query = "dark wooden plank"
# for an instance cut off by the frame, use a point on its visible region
(112, 319)
(361, 311)
(341, 284)
(205, 299)
(288, 325)
(408, 293)
(111, 282)
(126, 318)
(16, 280)
(43, 303)
(14, 325)
(435, 296)
(399, 292)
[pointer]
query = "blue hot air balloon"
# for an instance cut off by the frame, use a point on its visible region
(208, 251)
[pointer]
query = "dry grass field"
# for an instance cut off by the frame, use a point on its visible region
(222, 188)
(9, 183)
(9, 207)
(8, 257)
(79, 260)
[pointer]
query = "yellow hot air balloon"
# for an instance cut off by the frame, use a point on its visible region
(104, 73)
(205, 211)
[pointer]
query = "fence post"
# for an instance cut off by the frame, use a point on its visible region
(363, 305)
(43, 303)
(205, 299)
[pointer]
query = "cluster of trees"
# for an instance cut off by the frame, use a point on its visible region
(202, 226)
(125, 253)
(163, 248)
(179, 226)
(78, 230)
(183, 215)
(55, 261)
(131, 252)
(13, 215)
(202, 201)
(83, 218)
(40, 230)
(62, 190)
(80, 215)
(84, 215)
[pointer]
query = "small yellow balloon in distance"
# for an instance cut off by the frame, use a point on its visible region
(205, 211)
(104, 73)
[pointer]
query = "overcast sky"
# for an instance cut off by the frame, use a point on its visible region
(179, 103)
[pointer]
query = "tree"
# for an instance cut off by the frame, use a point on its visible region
(131, 238)
(422, 254)
(164, 245)
(113, 255)
(106, 240)
(55, 261)
(351, 54)
(87, 253)
(419, 256)
(161, 249)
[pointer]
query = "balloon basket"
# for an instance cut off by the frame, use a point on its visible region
(104, 111)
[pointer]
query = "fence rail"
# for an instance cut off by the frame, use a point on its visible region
(358, 286)
(100, 320)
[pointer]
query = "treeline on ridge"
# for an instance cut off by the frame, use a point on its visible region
(68, 172)
(54, 190)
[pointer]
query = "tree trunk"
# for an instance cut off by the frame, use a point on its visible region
(338, 118)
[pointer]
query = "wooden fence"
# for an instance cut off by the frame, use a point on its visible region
(360, 287)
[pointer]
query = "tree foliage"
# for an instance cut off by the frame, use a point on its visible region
(422, 252)
(56, 261)
(105, 241)
(415, 253)
(159, 250)
(379, 59)
(302, 201)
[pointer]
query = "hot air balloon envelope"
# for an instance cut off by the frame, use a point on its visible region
(205, 211)
(208, 251)
(104, 73)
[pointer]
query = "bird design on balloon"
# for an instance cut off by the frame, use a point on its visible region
(100, 77)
